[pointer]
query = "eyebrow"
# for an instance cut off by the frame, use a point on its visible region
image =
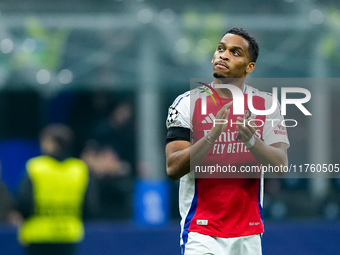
(233, 46)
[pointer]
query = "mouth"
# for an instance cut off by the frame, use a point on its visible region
(222, 65)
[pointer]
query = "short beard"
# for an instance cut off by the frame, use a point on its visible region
(219, 76)
(224, 79)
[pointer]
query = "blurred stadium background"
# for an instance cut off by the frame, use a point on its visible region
(76, 62)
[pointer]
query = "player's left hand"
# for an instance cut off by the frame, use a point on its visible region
(245, 130)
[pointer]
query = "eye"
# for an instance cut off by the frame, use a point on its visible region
(236, 53)
(220, 48)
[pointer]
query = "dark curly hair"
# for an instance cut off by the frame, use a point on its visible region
(253, 45)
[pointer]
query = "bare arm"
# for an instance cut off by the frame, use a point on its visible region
(179, 154)
(274, 154)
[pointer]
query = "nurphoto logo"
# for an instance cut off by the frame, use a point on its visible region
(238, 103)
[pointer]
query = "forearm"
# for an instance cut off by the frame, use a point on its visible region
(273, 155)
(181, 161)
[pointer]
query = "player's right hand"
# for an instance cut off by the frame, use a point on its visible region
(222, 114)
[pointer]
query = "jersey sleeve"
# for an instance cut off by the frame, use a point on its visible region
(273, 130)
(179, 113)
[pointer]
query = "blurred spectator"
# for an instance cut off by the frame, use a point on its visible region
(117, 130)
(84, 111)
(113, 181)
(5, 202)
(7, 211)
(51, 197)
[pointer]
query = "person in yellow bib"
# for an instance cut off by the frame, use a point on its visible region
(51, 197)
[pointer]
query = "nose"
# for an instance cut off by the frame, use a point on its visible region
(225, 55)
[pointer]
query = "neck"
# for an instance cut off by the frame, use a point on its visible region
(226, 93)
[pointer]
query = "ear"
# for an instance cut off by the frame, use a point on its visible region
(250, 67)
